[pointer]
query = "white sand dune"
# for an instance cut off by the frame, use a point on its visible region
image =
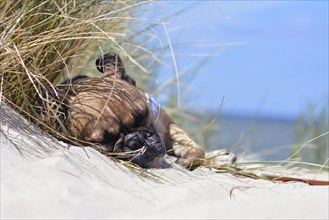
(44, 178)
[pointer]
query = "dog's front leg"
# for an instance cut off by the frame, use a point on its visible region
(189, 154)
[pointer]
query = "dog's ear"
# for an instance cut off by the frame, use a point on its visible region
(100, 64)
(110, 60)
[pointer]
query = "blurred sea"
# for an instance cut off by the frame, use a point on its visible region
(260, 138)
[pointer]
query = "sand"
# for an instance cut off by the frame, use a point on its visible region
(45, 178)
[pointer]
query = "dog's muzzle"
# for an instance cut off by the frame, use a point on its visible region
(147, 147)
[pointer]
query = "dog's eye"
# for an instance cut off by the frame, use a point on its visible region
(109, 138)
(140, 119)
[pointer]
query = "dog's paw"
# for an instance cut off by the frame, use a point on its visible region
(189, 156)
(219, 158)
(189, 153)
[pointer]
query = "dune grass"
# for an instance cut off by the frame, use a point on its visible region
(312, 126)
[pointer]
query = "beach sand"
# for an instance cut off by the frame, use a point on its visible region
(45, 178)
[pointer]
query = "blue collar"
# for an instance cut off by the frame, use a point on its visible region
(155, 106)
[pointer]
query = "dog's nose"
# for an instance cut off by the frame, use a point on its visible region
(134, 140)
(151, 145)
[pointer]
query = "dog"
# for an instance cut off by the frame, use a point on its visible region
(177, 141)
(97, 107)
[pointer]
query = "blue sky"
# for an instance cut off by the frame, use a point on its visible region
(267, 58)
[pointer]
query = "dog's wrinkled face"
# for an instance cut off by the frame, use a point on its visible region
(115, 115)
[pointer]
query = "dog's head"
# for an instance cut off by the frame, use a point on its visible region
(113, 115)
(111, 65)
